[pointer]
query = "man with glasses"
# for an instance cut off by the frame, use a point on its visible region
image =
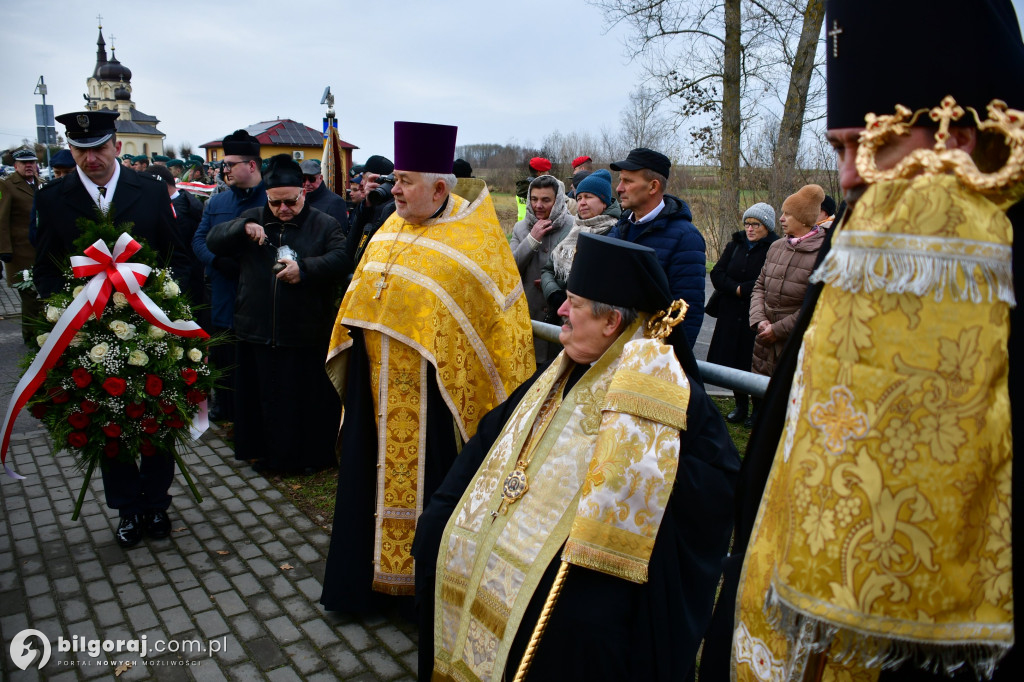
(292, 258)
(319, 196)
(241, 171)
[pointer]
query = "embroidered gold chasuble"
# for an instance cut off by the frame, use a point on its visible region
(601, 468)
(444, 293)
(884, 530)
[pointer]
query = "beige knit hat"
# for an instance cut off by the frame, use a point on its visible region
(805, 205)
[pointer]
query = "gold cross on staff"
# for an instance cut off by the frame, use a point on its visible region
(834, 35)
(381, 285)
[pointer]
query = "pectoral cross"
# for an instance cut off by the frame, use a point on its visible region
(834, 35)
(381, 285)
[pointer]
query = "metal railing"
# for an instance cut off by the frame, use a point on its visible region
(719, 375)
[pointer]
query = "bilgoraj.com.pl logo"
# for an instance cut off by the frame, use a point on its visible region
(31, 648)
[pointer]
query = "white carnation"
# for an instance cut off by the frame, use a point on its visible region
(155, 332)
(171, 288)
(52, 313)
(195, 355)
(41, 339)
(137, 358)
(122, 329)
(99, 351)
(176, 352)
(120, 300)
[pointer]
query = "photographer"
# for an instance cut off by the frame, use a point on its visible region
(375, 207)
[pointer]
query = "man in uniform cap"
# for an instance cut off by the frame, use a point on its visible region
(320, 196)
(433, 332)
(176, 166)
(140, 204)
(160, 159)
(140, 163)
(17, 193)
(663, 222)
(884, 545)
(241, 171)
(62, 163)
(611, 469)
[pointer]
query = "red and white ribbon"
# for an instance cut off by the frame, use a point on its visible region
(109, 272)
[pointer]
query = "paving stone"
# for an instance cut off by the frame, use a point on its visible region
(344, 661)
(142, 616)
(230, 603)
(247, 584)
(214, 582)
(42, 607)
(304, 657)
(75, 609)
(320, 633)
(164, 597)
(382, 665)
(196, 599)
(266, 653)
(232, 652)
(356, 636)
(264, 606)
(248, 627)
(177, 619)
(310, 587)
(211, 623)
(209, 671)
(131, 593)
(394, 639)
(99, 590)
(284, 674)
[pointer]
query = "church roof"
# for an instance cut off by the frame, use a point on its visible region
(133, 128)
(283, 132)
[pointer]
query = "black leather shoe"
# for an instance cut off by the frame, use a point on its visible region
(735, 417)
(749, 422)
(158, 524)
(129, 531)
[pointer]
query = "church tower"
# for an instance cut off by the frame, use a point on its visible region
(110, 88)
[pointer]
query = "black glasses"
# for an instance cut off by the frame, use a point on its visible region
(228, 165)
(287, 202)
(751, 224)
(310, 178)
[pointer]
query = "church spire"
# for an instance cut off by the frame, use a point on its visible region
(101, 50)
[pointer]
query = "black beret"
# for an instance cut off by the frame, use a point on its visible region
(619, 273)
(881, 53)
(282, 171)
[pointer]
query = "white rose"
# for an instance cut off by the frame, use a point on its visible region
(41, 339)
(52, 313)
(195, 355)
(120, 300)
(78, 339)
(98, 352)
(155, 332)
(177, 352)
(171, 288)
(137, 358)
(79, 289)
(122, 329)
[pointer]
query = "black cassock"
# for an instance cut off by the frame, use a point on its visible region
(607, 628)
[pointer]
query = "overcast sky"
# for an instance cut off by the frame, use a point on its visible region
(501, 71)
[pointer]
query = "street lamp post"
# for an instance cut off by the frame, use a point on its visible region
(41, 90)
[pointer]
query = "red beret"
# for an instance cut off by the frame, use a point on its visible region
(580, 160)
(540, 164)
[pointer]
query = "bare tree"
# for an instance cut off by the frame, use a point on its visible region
(186, 149)
(643, 124)
(716, 61)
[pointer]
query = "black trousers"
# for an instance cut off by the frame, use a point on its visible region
(134, 488)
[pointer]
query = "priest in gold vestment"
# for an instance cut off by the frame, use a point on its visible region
(608, 474)
(433, 332)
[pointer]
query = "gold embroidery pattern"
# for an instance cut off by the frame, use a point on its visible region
(884, 527)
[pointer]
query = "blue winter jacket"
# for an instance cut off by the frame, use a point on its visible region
(222, 207)
(681, 252)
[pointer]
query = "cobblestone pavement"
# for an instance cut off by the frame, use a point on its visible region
(241, 573)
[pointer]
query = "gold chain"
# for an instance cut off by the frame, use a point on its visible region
(382, 284)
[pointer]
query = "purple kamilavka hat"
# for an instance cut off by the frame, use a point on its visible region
(424, 147)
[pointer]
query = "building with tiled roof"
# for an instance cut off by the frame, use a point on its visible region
(283, 136)
(110, 88)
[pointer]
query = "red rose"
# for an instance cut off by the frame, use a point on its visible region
(167, 407)
(112, 430)
(77, 439)
(195, 396)
(189, 375)
(81, 377)
(38, 410)
(89, 406)
(147, 448)
(59, 396)
(115, 386)
(174, 422)
(154, 385)
(150, 425)
(111, 449)
(79, 420)
(135, 410)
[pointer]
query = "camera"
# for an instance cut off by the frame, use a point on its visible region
(379, 195)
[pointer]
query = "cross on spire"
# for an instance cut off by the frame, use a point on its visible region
(99, 20)
(112, 38)
(834, 35)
